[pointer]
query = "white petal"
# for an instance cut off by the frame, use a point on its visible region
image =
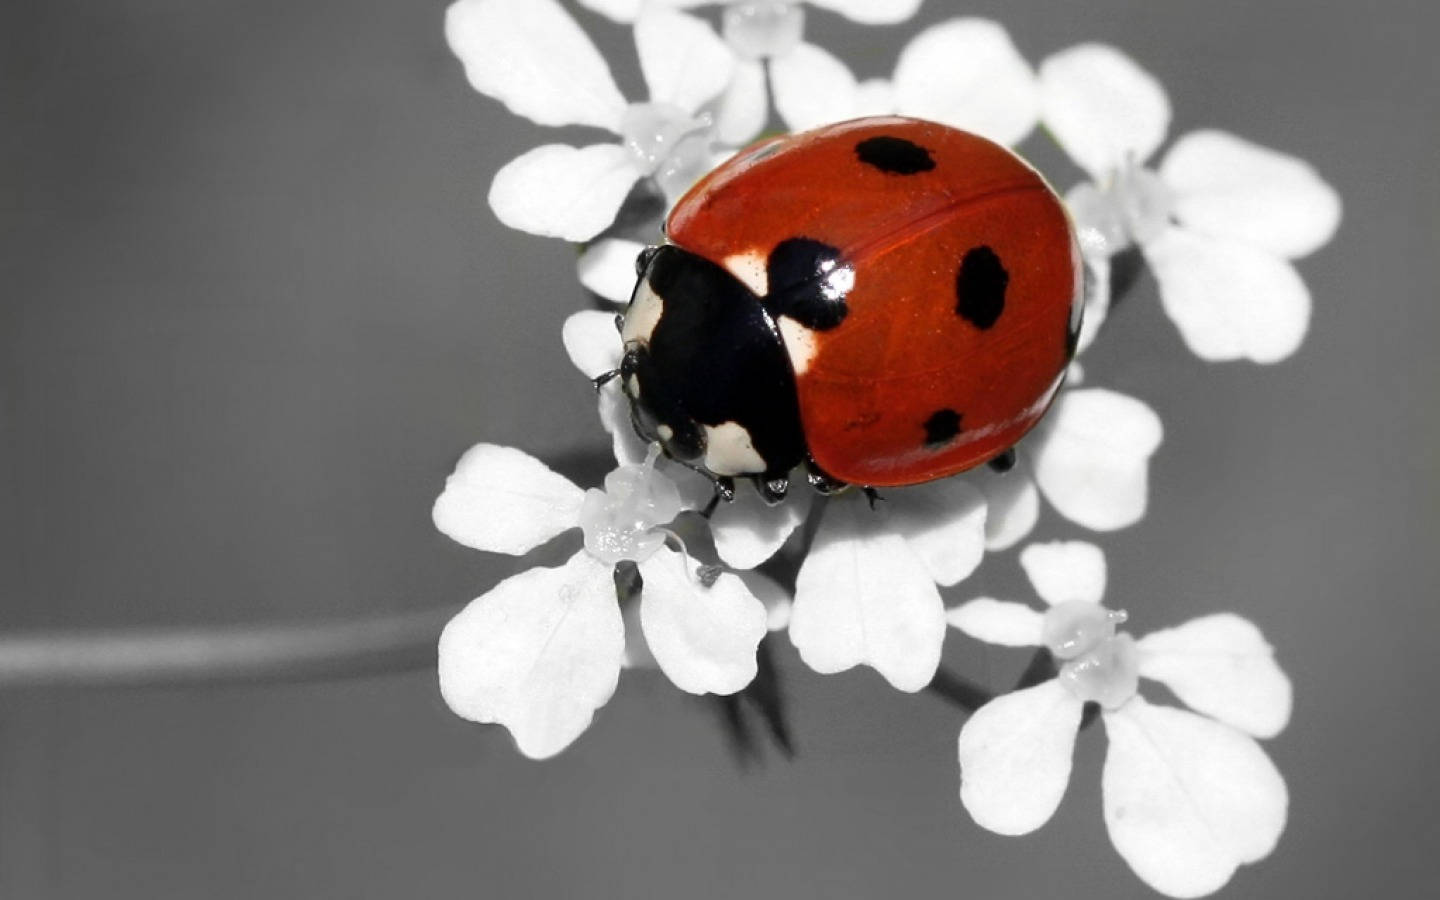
(1102, 108)
(703, 639)
(999, 622)
(811, 88)
(776, 599)
(967, 73)
(561, 191)
(1065, 571)
(626, 11)
(871, 12)
(1229, 300)
(1220, 665)
(607, 267)
(875, 97)
(863, 597)
(1229, 187)
(1012, 506)
(1092, 459)
(747, 532)
(1015, 757)
(505, 501)
(628, 447)
(744, 107)
(531, 56)
(684, 61)
(538, 653)
(622, 11)
(1097, 300)
(592, 342)
(943, 522)
(1187, 799)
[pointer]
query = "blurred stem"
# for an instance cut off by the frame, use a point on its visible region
(297, 652)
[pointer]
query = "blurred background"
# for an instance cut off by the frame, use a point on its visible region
(254, 307)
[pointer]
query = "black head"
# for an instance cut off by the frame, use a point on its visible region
(706, 370)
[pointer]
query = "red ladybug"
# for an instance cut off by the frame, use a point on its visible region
(886, 301)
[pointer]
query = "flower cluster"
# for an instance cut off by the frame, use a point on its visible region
(1218, 220)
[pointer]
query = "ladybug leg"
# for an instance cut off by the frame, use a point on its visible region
(604, 378)
(772, 490)
(724, 490)
(822, 481)
(873, 496)
(1004, 462)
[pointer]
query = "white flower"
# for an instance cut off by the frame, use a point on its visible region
(531, 56)
(542, 650)
(867, 591)
(1187, 798)
(1090, 458)
(965, 73)
(773, 30)
(1218, 220)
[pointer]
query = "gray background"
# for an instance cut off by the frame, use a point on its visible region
(254, 306)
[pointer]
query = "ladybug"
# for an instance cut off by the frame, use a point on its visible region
(885, 301)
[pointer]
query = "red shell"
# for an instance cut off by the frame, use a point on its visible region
(903, 354)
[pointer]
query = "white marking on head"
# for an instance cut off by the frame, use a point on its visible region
(729, 450)
(799, 343)
(750, 268)
(664, 432)
(642, 315)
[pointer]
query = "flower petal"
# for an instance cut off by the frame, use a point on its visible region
(1228, 187)
(629, 447)
(999, 622)
(871, 12)
(607, 267)
(505, 501)
(531, 56)
(967, 73)
(561, 191)
(1065, 571)
(863, 597)
(943, 522)
(1229, 300)
(591, 341)
(626, 11)
(538, 653)
(744, 107)
(685, 63)
(1093, 457)
(747, 532)
(1102, 108)
(703, 639)
(1015, 757)
(1220, 665)
(1012, 506)
(1188, 799)
(1097, 300)
(811, 88)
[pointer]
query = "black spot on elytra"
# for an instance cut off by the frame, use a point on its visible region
(980, 287)
(808, 282)
(942, 425)
(894, 155)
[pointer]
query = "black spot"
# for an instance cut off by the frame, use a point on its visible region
(808, 282)
(894, 155)
(942, 425)
(980, 287)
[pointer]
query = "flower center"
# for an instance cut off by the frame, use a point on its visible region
(756, 29)
(1133, 206)
(668, 144)
(1098, 664)
(622, 521)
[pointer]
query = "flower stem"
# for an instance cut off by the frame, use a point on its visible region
(290, 652)
(958, 691)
